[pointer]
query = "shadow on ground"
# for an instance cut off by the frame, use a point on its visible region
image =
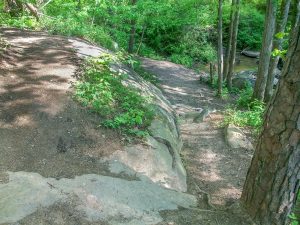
(41, 128)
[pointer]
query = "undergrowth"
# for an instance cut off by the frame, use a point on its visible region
(246, 111)
(295, 216)
(101, 89)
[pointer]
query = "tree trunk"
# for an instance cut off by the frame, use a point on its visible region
(220, 50)
(142, 38)
(265, 54)
(234, 42)
(285, 8)
(294, 10)
(272, 182)
(33, 10)
(228, 50)
(211, 73)
(132, 32)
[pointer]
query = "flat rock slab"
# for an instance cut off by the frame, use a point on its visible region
(236, 138)
(97, 198)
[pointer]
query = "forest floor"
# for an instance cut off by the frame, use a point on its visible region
(43, 131)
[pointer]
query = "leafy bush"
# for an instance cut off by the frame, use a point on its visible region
(245, 97)
(23, 21)
(247, 112)
(250, 27)
(101, 90)
(73, 26)
(182, 59)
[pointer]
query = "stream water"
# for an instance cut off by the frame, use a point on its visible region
(241, 63)
(245, 63)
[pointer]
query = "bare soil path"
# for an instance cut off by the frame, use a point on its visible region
(212, 166)
(41, 129)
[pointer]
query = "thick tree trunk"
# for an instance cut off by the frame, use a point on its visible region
(228, 50)
(277, 44)
(220, 50)
(265, 54)
(132, 32)
(274, 176)
(234, 42)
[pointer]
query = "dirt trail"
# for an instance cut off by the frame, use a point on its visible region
(36, 111)
(212, 166)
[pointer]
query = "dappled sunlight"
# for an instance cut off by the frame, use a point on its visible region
(37, 110)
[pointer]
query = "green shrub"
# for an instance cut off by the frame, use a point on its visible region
(182, 59)
(246, 112)
(245, 97)
(101, 90)
(73, 26)
(250, 27)
(24, 21)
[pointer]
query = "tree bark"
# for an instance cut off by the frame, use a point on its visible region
(211, 73)
(277, 44)
(265, 54)
(234, 42)
(220, 49)
(228, 50)
(294, 10)
(273, 179)
(132, 32)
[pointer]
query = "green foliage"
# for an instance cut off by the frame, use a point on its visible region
(182, 59)
(77, 26)
(295, 216)
(101, 89)
(250, 27)
(24, 21)
(182, 31)
(294, 219)
(246, 112)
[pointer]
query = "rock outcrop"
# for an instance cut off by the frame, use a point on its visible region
(248, 77)
(158, 158)
(235, 138)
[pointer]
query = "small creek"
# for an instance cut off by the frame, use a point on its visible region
(245, 63)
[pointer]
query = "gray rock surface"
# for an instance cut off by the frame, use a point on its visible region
(248, 77)
(159, 157)
(93, 197)
(252, 54)
(235, 138)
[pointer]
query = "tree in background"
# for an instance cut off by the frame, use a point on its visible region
(277, 46)
(231, 60)
(265, 53)
(220, 49)
(132, 30)
(272, 182)
(229, 47)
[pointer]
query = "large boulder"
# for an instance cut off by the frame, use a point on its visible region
(251, 54)
(248, 77)
(244, 78)
(29, 198)
(235, 138)
(158, 156)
